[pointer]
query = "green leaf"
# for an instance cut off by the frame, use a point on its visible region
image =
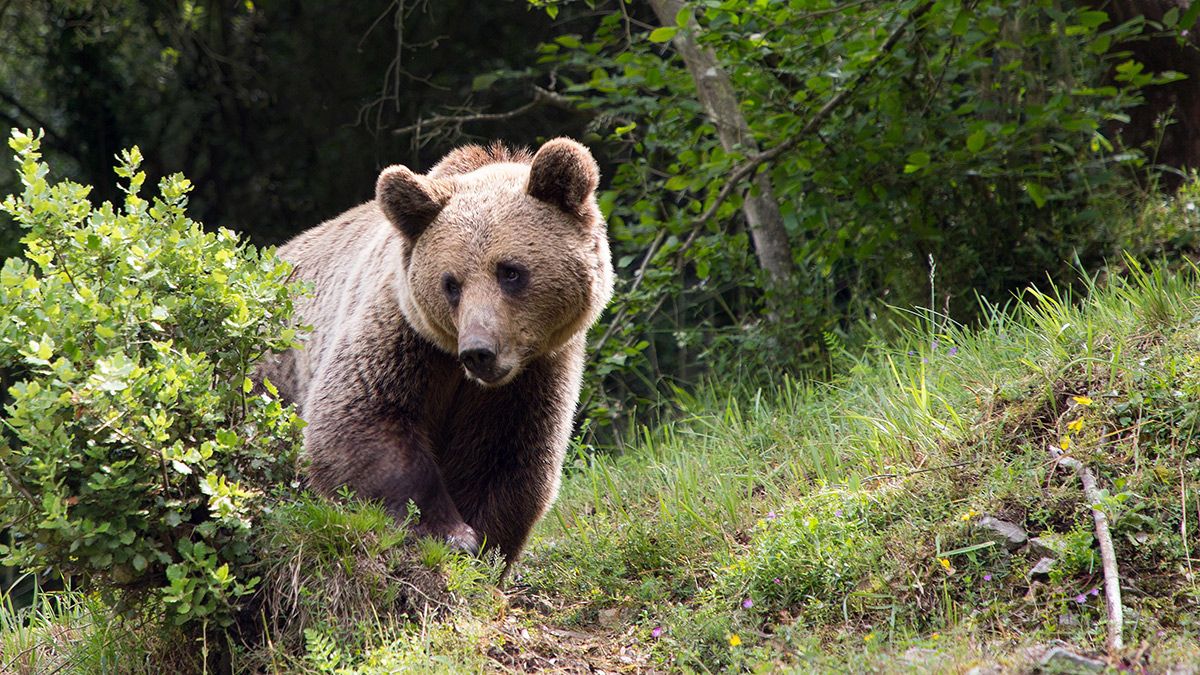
(917, 161)
(1188, 20)
(976, 140)
(568, 41)
(663, 33)
(1036, 192)
(677, 183)
(1093, 18)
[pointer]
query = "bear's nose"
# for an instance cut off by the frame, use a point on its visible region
(481, 361)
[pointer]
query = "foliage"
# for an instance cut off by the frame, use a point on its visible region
(861, 496)
(980, 136)
(281, 113)
(135, 454)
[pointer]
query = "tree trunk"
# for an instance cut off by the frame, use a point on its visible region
(716, 94)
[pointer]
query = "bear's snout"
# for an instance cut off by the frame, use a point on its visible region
(479, 358)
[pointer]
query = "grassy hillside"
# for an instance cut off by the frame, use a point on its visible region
(808, 525)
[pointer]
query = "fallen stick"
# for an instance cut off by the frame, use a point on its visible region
(1108, 558)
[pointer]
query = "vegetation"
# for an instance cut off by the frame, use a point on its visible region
(135, 454)
(808, 524)
(880, 263)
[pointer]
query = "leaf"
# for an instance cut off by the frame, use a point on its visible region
(568, 41)
(917, 161)
(483, 82)
(1092, 19)
(961, 22)
(1036, 192)
(663, 33)
(1188, 20)
(976, 140)
(677, 183)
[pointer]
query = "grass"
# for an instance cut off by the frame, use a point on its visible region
(804, 525)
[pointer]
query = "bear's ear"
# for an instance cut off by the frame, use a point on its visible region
(409, 200)
(563, 173)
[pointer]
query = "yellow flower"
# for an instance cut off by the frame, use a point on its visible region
(1076, 425)
(734, 640)
(1065, 443)
(1082, 400)
(935, 636)
(946, 564)
(971, 513)
(869, 636)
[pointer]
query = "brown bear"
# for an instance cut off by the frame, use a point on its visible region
(448, 322)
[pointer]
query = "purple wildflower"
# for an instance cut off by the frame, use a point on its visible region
(934, 345)
(924, 360)
(1094, 591)
(838, 513)
(1081, 598)
(778, 580)
(911, 353)
(953, 351)
(658, 630)
(747, 603)
(771, 515)
(987, 577)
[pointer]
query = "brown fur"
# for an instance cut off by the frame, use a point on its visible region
(391, 411)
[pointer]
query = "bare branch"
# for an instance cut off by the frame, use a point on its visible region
(1108, 556)
(541, 97)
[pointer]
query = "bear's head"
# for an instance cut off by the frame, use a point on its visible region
(505, 255)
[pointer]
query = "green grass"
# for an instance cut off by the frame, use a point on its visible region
(803, 525)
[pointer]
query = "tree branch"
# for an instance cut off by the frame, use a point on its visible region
(541, 97)
(746, 168)
(34, 118)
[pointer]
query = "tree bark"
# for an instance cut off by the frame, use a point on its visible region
(716, 93)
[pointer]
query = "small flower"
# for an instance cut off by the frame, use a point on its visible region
(747, 603)
(945, 562)
(734, 640)
(971, 513)
(838, 513)
(934, 345)
(1081, 598)
(657, 632)
(924, 360)
(1065, 443)
(953, 351)
(771, 515)
(777, 580)
(911, 353)
(1094, 591)
(935, 636)
(1076, 425)
(1082, 400)
(987, 577)
(869, 636)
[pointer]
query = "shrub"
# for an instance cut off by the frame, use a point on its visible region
(135, 452)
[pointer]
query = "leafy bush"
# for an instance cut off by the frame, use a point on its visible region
(135, 453)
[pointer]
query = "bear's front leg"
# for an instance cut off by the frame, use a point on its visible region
(386, 462)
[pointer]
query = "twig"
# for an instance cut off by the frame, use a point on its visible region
(905, 474)
(541, 97)
(1108, 558)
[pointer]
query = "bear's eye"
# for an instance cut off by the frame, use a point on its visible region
(451, 288)
(512, 277)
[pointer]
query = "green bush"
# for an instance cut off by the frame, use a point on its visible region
(135, 453)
